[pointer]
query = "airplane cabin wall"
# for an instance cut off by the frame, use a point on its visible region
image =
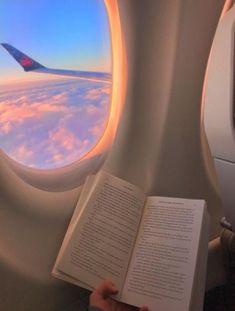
(158, 146)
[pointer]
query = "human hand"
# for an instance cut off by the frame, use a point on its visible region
(100, 299)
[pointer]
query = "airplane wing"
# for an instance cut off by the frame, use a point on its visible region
(30, 64)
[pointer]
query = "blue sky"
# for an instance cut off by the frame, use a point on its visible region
(72, 34)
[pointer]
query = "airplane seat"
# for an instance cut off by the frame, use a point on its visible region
(158, 146)
(219, 125)
(219, 113)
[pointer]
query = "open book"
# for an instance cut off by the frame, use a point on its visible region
(154, 249)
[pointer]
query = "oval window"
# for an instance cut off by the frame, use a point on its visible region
(55, 80)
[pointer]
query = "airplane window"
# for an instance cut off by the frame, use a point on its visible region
(55, 79)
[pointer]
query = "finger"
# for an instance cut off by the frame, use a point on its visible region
(144, 308)
(107, 288)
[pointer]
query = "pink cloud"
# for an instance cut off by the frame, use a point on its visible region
(92, 109)
(58, 157)
(62, 128)
(94, 94)
(65, 139)
(97, 130)
(107, 89)
(60, 96)
(22, 153)
(64, 146)
(48, 107)
(16, 112)
(6, 128)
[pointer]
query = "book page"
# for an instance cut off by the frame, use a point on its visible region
(198, 292)
(85, 193)
(162, 269)
(103, 239)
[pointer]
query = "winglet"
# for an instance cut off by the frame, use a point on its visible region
(25, 61)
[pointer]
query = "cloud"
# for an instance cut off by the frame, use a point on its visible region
(22, 153)
(92, 109)
(96, 93)
(60, 97)
(6, 127)
(96, 130)
(64, 146)
(51, 124)
(65, 139)
(48, 107)
(19, 109)
(11, 114)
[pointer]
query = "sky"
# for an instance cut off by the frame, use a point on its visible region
(48, 121)
(71, 34)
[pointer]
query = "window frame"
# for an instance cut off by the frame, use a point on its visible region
(74, 174)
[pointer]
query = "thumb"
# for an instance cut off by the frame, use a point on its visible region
(106, 288)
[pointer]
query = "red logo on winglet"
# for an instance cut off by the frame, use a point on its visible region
(25, 61)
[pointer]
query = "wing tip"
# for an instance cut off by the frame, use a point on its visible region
(5, 45)
(24, 60)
